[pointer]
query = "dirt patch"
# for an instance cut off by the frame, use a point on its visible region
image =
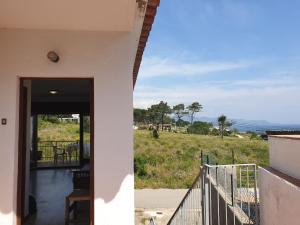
(161, 216)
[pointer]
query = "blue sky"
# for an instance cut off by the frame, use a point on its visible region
(240, 58)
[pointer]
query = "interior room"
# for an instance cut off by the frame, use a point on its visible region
(56, 118)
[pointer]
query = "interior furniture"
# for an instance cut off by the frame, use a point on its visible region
(58, 153)
(71, 203)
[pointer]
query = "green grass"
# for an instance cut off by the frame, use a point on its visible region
(48, 131)
(172, 161)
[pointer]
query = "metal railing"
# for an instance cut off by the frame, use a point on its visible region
(209, 159)
(152, 221)
(230, 194)
(220, 195)
(189, 210)
(54, 153)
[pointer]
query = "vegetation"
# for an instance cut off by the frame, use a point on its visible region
(194, 108)
(160, 114)
(223, 125)
(172, 161)
(199, 127)
(161, 110)
(155, 133)
(179, 111)
(254, 136)
(50, 128)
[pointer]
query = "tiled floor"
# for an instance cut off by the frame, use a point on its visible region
(50, 164)
(50, 187)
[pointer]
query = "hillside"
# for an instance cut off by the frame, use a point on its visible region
(172, 161)
(48, 131)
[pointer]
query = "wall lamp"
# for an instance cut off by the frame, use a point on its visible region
(53, 92)
(53, 57)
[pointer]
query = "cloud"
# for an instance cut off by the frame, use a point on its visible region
(273, 99)
(157, 67)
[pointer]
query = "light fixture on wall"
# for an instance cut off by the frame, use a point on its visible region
(142, 4)
(53, 92)
(53, 57)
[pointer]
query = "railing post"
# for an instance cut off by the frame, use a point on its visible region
(257, 219)
(218, 194)
(232, 191)
(217, 172)
(225, 175)
(231, 183)
(81, 134)
(205, 197)
(201, 155)
(207, 159)
(248, 186)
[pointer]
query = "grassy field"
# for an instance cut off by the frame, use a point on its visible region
(48, 131)
(172, 161)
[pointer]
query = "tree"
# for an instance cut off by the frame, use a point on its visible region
(160, 111)
(140, 116)
(153, 115)
(194, 108)
(223, 124)
(179, 111)
(182, 123)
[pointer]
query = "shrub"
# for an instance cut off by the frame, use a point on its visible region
(254, 136)
(143, 127)
(199, 127)
(182, 123)
(155, 133)
(52, 119)
(139, 165)
(214, 132)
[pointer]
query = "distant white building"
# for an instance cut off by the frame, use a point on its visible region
(75, 118)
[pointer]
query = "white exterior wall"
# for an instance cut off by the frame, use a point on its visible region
(285, 155)
(108, 57)
(279, 200)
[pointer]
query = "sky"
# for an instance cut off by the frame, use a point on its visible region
(240, 58)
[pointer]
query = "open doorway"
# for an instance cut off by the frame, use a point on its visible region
(55, 164)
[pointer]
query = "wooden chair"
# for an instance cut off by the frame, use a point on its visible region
(71, 203)
(58, 153)
(81, 192)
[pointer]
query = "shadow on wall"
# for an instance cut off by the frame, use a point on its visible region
(113, 176)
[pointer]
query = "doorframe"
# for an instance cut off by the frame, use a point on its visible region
(22, 136)
(21, 154)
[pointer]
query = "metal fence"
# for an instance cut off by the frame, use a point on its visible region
(230, 194)
(209, 159)
(220, 195)
(189, 210)
(57, 153)
(152, 221)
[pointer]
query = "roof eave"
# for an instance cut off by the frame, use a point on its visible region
(150, 14)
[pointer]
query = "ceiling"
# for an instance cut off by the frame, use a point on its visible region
(68, 90)
(94, 15)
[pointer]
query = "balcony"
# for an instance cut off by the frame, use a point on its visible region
(62, 154)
